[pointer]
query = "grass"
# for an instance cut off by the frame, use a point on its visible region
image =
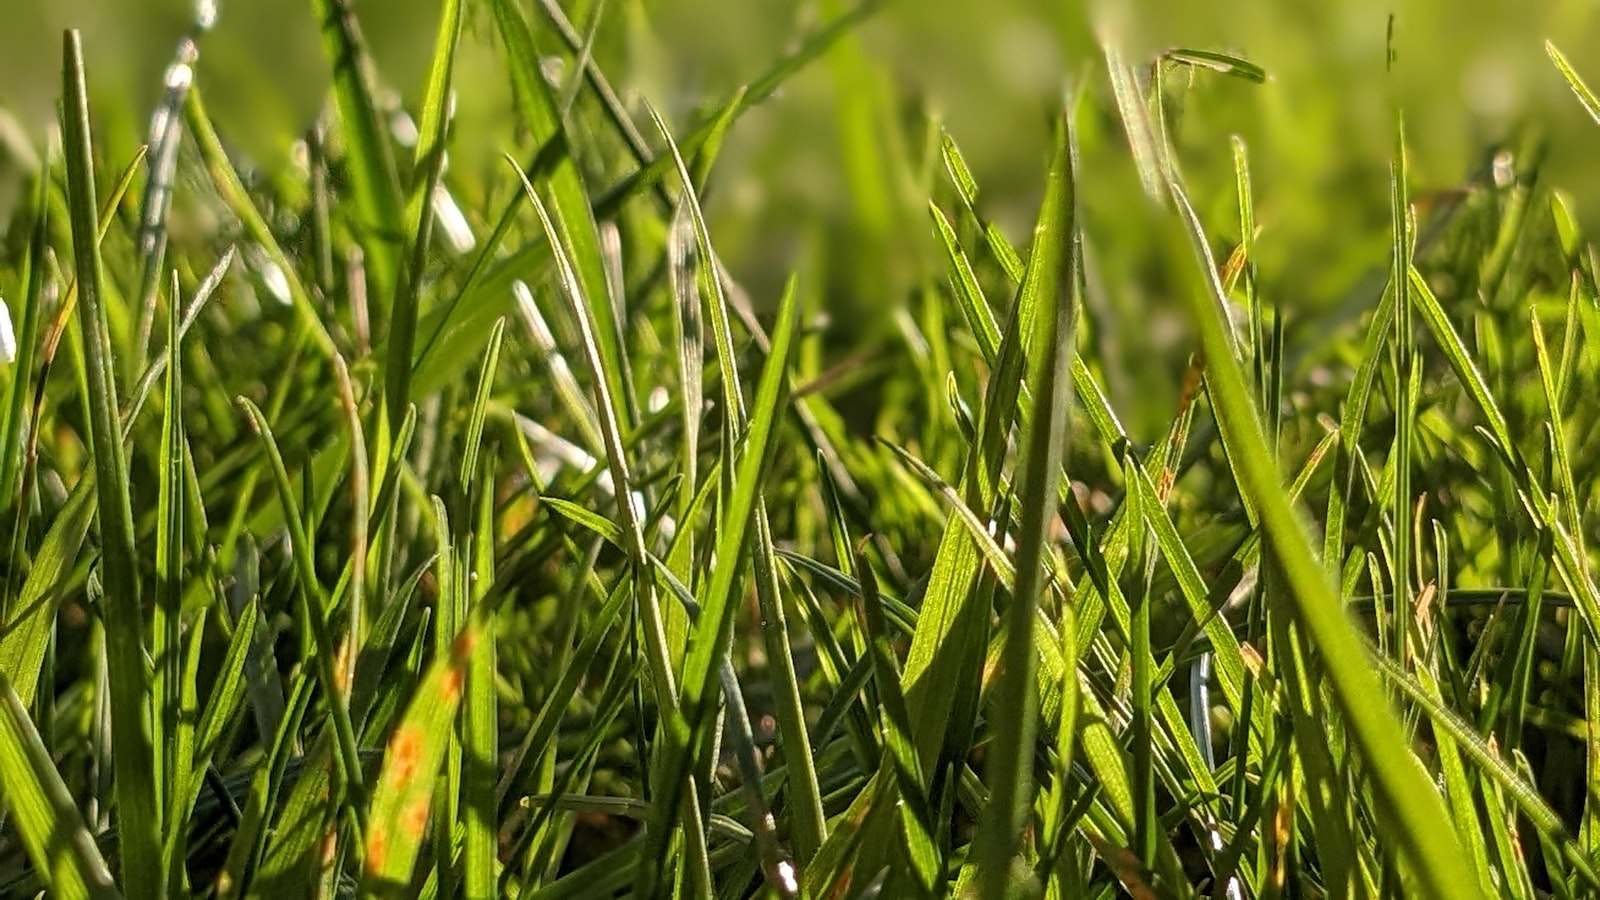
(407, 531)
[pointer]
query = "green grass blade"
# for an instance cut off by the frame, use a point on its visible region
(368, 158)
(401, 796)
(1221, 63)
(28, 329)
(1501, 773)
(689, 737)
(433, 132)
(1591, 104)
(42, 809)
(1401, 788)
(313, 607)
(899, 747)
(480, 731)
(231, 187)
(167, 626)
(574, 232)
(1011, 783)
(136, 777)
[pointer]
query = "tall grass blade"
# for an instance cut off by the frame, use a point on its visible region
(1050, 352)
(140, 813)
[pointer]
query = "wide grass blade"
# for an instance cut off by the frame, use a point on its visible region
(401, 796)
(43, 811)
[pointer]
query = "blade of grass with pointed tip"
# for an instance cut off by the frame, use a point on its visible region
(35, 278)
(687, 734)
(167, 626)
(314, 608)
(480, 731)
(1525, 795)
(1222, 63)
(1407, 377)
(1400, 787)
(33, 612)
(574, 233)
(432, 135)
(1535, 500)
(231, 187)
(1591, 104)
(136, 778)
(467, 316)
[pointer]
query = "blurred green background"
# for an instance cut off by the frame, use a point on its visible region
(828, 155)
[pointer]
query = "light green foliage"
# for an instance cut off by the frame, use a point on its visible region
(587, 498)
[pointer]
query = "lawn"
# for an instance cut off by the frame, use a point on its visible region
(850, 449)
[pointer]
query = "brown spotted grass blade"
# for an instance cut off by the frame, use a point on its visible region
(398, 818)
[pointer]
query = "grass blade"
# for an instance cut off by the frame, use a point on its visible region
(136, 777)
(401, 796)
(43, 811)
(1050, 352)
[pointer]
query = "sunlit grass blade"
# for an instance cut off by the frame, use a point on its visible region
(313, 608)
(136, 777)
(398, 819)
(1401, 787)
(231, 187)
(480, 726)
(915, 814)
(688, 738)
(1221, 63)
(43, 811)
(26, 349)
(1591, 104)
(167, 626)
(485, 300)
(1475, 748)
(433, 132)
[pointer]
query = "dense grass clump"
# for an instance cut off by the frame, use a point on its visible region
(372, 528)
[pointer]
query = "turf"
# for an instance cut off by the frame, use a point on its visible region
(379, 525)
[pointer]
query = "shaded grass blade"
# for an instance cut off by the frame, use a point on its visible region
(374, 185)
(136, 777)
